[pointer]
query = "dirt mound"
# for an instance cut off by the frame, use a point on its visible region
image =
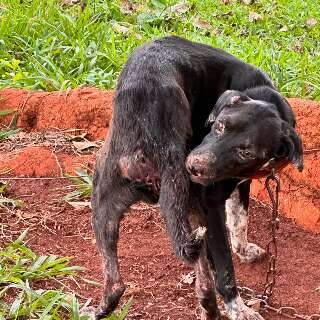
(300, 195)
(86, 108)
(90, 109)
(42, 162)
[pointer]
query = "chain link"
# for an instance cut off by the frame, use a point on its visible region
(249, 295)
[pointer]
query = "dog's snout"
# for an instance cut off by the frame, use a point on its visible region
(197, 165)
(196, 171)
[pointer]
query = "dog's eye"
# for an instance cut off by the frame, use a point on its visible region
(210, 121)
(220, 127)
(245, 154)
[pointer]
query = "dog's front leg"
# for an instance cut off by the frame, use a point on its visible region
(237, 222)
(174, 204)
(205, 286)
(220, 256)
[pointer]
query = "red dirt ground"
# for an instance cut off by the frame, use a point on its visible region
(152, 274)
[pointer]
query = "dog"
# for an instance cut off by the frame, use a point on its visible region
(165, 93)
(268, 126)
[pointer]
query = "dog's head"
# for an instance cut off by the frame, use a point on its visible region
(247, 139)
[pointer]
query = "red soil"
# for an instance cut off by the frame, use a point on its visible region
(150, 270)
(85, 108)
(300, 195)
(42, 162)
(90, 109)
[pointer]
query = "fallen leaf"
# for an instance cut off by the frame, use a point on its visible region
(253, 16)
(79, 205)
(70, 2)
(284, 29)
(225, 1)
(188, 278)
(126, 7)
(202, 24)
(254, 304)
(78, 137)
(311, 22)
(120, 28)
(83, 145)
(297, 47)
(181, 7)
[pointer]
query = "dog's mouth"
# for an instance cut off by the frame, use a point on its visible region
(202, 179)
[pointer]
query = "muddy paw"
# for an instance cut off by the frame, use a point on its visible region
(206, 316)
(110, 302)
(237, 310)
(89, 312)
(251, 253)
(191, 249)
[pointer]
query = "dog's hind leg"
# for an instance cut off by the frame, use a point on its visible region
(111, 198)
(237, 222)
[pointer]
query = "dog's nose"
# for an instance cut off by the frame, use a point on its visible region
(195, 171)
(197, 164)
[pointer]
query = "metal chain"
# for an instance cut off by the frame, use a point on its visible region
(248, 294)
(272, 249)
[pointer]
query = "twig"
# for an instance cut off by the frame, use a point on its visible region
(58, 163)
(308, 151)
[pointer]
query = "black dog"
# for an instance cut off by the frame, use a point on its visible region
(164, 96)
(243, 131)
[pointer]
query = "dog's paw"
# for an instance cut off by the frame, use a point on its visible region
(110, 301)
(89, 312)
(251, 253)
(205, 315)
(191, 248)
(237, 310)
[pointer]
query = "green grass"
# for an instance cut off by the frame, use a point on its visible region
(82, 182)
(7, 132)
(4, 200)
(44, 45)
(21, 269)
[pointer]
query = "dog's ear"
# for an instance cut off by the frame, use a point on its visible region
(232, 97)
(291, 146)
(228, 99)
(211, 119)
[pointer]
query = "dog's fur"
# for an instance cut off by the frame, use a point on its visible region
(164, 96)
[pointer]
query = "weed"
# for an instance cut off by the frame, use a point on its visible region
(5, 201)
(83, 184)
(7, 132)
(20, 268)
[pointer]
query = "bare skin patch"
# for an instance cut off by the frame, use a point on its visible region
(237, 222)
(138, 168)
